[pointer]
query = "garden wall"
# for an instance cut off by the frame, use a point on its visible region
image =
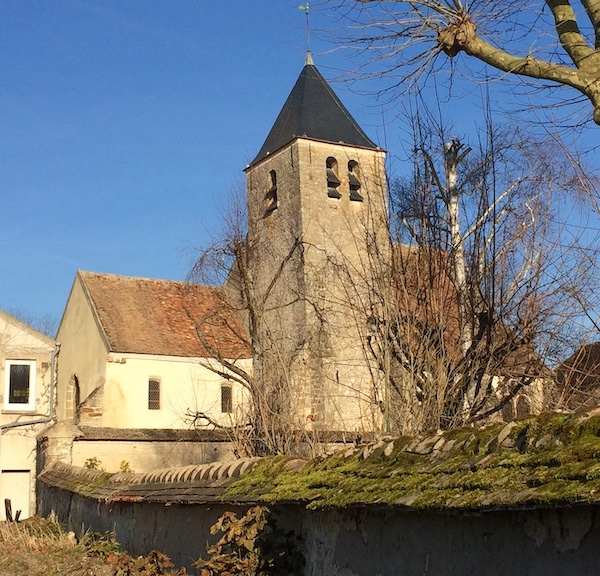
(364, 541)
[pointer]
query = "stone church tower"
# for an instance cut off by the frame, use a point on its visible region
(317, 223)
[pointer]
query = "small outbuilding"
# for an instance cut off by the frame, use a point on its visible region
(137, 365)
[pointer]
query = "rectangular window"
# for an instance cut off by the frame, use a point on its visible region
(153, 394)
(19, 388)
(226, 399)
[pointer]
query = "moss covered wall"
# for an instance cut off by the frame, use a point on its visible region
(363, 541)
(514, 500)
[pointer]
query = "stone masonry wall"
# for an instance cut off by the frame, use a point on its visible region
(316, 310)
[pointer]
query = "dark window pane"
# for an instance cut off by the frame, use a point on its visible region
(19, 384)
(153, 395)
(226, 399)
(354, 181)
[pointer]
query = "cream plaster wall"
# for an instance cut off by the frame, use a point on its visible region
(18, 454)
(186, 384)
(83, 350)
(18, 445)
(20, 342)
(148, 456)
(114, 387)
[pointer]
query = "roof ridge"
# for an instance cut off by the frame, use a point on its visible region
(162, 317)
(147, 279)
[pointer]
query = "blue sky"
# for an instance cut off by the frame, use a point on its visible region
(123, 124)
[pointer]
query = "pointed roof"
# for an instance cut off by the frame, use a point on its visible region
(162, 317)
(312, 110)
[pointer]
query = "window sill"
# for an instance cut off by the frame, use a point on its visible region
(18, 410)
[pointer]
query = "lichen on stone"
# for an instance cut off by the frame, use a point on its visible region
(548, 459)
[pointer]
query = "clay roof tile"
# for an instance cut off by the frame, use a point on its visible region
(161, 317)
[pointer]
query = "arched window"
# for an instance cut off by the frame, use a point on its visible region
(271, 195)
(333, 182)
(354, 181)
(226, 399)
(153, 394)
(76, 399)
(73, 399)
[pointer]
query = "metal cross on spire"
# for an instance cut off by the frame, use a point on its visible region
(306, 7)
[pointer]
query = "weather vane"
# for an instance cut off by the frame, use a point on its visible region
(306, 7)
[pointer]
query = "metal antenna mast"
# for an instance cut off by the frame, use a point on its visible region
(306, 7)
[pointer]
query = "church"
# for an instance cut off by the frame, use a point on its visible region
(317, 224)
(279, 348)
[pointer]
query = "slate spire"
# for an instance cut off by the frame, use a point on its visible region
(312, 110)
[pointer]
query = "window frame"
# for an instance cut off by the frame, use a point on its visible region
(28, 406)
(154, 403)
(229, 388)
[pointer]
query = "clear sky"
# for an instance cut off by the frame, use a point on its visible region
(122, 126)
(123, 123)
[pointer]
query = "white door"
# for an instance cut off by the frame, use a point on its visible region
(14, 484)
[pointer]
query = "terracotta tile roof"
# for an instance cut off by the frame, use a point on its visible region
(424, 292)
(201, 483)
(160, 317)
(578, 378)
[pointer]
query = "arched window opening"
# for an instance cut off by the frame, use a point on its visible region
(333, 182)
(226, 399)
(153, 394)
(76, 399)
(73, 399)
(271, 195)
(354, 181)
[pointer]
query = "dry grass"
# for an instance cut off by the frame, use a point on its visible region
(39, 547)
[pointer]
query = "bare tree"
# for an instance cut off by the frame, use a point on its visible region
(44, 323)
(482, 296)
(552, 42)
(272, 425)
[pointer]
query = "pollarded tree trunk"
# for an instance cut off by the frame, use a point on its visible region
(503, 35)
(451, 196)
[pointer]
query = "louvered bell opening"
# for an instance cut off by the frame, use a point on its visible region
(332, 184)
(354, 183)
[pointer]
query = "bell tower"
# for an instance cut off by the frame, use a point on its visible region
(317, 224)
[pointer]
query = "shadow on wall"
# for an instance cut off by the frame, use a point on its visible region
(359, 542)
